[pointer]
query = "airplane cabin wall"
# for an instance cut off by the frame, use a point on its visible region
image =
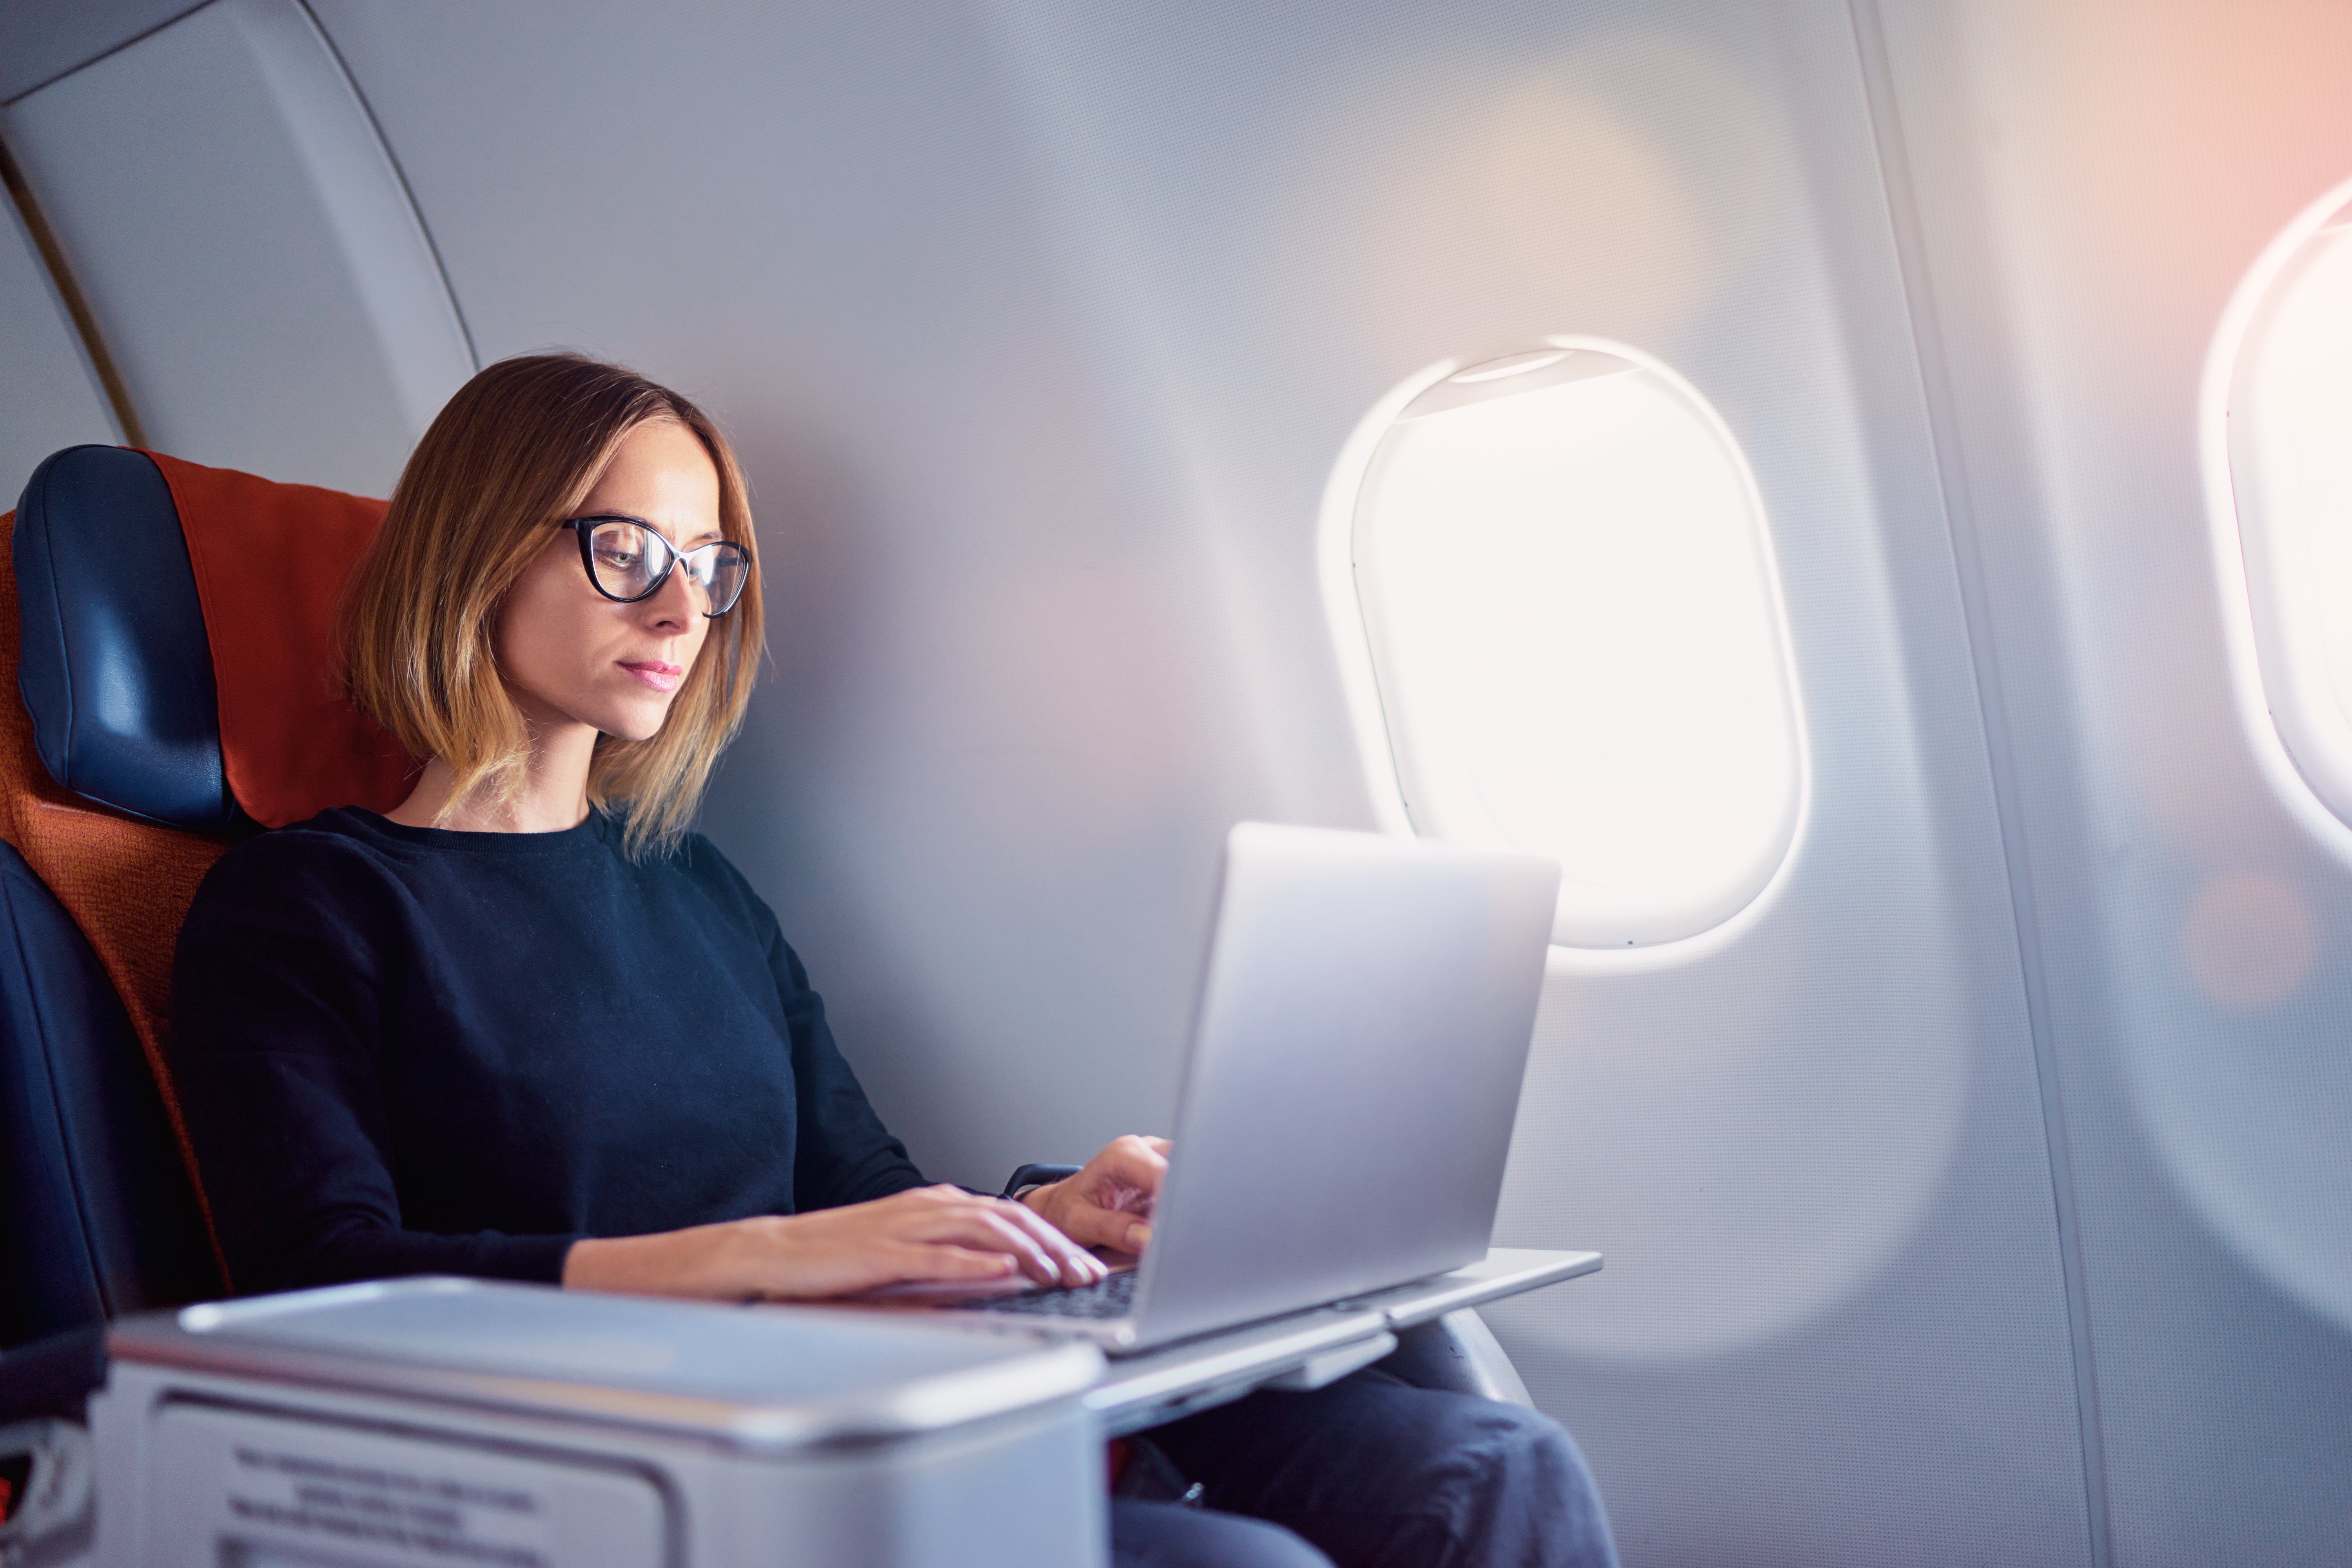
(242, 240)
(2090, 182)
(50, 395)
(1039, 329)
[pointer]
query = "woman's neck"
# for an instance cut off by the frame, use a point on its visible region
(554, 796)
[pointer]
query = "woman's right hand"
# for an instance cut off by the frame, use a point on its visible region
(926, 1233)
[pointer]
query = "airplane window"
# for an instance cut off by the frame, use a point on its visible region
(2278, 418)
(1554, 590)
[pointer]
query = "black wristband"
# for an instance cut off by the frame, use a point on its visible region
(1038, 1176)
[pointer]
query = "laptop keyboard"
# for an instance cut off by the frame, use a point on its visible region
(1111, 1297)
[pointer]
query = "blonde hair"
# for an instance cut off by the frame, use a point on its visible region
(515, 450)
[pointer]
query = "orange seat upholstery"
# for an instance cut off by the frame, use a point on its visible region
(271, 562)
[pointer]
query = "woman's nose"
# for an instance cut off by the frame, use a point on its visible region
(677, 602)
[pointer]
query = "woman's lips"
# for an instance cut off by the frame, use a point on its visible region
(655, 673)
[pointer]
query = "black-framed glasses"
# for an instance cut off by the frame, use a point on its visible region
(628, 559)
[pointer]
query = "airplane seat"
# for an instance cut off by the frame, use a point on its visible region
(167, 630)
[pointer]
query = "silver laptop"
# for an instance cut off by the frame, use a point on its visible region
(1357, 1051)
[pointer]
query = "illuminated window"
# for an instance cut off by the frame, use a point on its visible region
(1556, 602)
(2278, 434)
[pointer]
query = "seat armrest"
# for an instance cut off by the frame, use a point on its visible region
(1459, 1353)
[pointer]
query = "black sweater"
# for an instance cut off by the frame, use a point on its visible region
(402, 1050)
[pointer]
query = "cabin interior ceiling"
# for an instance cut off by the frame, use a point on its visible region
(279, 239)
(1985, 1199)
(39, 43)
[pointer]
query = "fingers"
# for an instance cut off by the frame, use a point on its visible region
(1139, 1162)
(1092, 1223)
(1073, 1263)
(1094, 1226)
(928, 1233)
(1109, 1203)
(945, 1261)
(1002, 1226)
(1052, 1257)
(974, 1226)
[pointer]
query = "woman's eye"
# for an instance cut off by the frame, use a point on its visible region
(620, 560)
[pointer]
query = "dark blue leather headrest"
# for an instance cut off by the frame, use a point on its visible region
(113, 661)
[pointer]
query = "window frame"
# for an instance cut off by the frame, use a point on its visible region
(2321, 806)
(1344, 618)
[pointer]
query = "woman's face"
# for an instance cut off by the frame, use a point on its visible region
(571, 656)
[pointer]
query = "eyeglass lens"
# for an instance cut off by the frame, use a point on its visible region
(630, 560)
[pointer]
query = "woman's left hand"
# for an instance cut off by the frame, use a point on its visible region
(1107, 1203)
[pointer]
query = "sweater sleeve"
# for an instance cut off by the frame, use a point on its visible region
(842, 1153)
(277, 1023)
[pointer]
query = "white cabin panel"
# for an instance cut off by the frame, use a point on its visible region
(49, 393)
(244, 241)
(2092, 182)
(39, 43)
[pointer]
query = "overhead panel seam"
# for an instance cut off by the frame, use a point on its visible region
(1959, 519)
(407, 191)
(53, 258)
(115, 47)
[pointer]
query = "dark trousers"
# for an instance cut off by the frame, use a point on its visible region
(1369, 1473)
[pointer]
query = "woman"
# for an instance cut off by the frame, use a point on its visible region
(526, 1026)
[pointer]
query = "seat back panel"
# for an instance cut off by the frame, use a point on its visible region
(126, 885)
(98, 1216)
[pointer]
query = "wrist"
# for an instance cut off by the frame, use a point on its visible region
(720, 1260)
(589, 1264)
